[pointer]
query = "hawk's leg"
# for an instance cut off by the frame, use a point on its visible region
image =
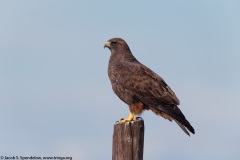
(130, 118)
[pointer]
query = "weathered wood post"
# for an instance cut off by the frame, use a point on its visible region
(128, 141)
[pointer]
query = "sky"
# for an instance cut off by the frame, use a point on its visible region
(55, 95)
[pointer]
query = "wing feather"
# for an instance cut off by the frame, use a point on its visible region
(149, 85)
(141, 81)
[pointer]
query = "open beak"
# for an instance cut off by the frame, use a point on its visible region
(107, 44)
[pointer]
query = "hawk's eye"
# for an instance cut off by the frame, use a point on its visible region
(114, 43)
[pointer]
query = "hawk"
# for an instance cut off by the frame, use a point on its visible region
(141, 88)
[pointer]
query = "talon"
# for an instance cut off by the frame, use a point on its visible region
(123, 120)
(139, 118)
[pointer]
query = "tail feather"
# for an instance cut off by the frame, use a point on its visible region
(174, 112)
(178, 117)
(182, 127)
(188, 126)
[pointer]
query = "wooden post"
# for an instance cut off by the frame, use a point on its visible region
(128, 140)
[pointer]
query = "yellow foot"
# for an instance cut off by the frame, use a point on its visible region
(130, 118)
(127, 120)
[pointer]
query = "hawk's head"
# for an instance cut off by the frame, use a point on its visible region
(116, 45)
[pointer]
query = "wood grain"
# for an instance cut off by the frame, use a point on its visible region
(128, 141)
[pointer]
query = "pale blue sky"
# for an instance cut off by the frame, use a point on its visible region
(56, 98)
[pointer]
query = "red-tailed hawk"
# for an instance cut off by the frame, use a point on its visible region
(141, 88)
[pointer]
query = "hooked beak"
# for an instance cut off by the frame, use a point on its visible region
(107, 44)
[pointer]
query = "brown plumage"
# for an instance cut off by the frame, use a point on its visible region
(141, 88)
